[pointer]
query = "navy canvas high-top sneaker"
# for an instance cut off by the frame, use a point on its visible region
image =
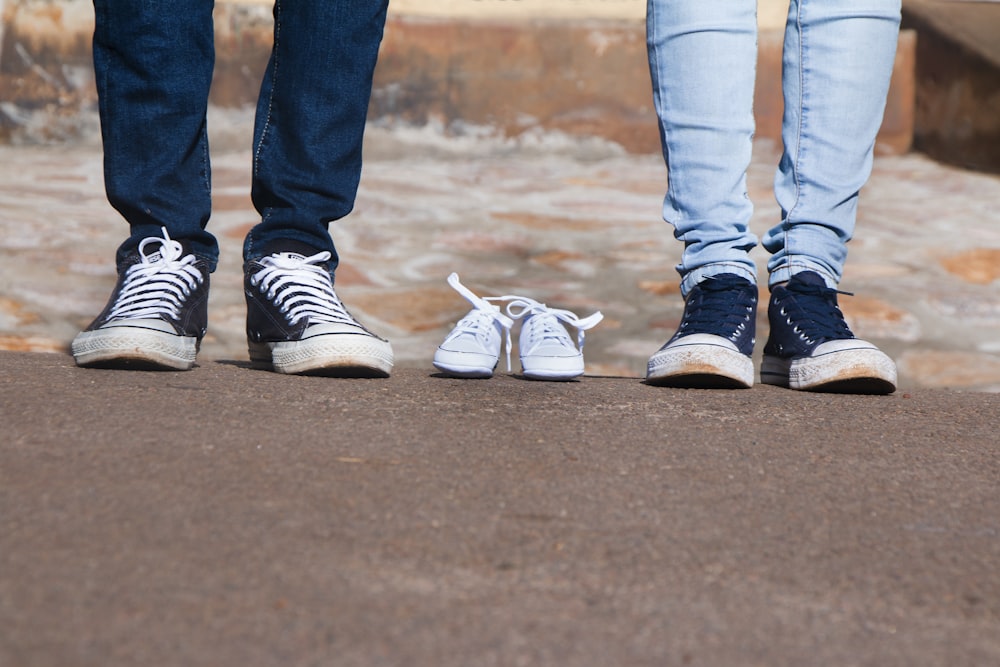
(810, 346)
(714, 342)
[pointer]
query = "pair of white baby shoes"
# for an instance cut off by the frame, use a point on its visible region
(547, 352)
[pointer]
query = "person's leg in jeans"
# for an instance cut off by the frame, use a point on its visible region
(702, 58)
(838, 59)
(306, 169)
(153, 68)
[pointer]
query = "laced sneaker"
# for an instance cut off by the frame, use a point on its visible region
(810, 347)
(714, 342)
(547, 352)
(157, 313)
(472, 348)
(296, 323)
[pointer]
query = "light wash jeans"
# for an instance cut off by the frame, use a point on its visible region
(153, 62)
(838, 58)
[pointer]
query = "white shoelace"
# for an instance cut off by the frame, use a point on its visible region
(480, 320)
(301, 288)
(545, 323)
(159, 283)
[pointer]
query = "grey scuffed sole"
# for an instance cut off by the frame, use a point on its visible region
(346, 355)
(134, 347)
(701, 361)
(863, 369)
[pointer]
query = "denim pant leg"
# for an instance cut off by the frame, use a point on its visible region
(838, 60)
(311, 119)
(702, 59)
(153, 65)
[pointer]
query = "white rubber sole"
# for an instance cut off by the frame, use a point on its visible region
(465, 364)
(126, 346)
(552, 369)
(331, 354)
(701, 361)
(862, 369)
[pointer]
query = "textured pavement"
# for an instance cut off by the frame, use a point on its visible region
(231, 517)
(570, 222)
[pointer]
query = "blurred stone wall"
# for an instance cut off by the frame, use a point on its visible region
(46, 79)
(513, 66)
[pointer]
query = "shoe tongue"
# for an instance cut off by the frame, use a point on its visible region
(724, 282)
(808, 278)
(161, 250)
(156, 255)
(290, 248)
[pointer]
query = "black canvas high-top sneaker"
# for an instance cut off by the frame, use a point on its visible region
(157, 314)
(296, 323)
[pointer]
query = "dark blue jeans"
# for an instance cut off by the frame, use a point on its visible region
(153, 61)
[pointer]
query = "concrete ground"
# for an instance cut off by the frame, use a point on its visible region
(227, 516)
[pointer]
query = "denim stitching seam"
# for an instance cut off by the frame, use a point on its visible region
(270, 100)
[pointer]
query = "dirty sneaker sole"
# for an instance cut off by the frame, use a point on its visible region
(864, 370)
(134, 347)
(700, 364)
(341, 355)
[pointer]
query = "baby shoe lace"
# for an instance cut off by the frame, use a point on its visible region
(159, 283)
(479, 321)
(301, 287)
(546, 323)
